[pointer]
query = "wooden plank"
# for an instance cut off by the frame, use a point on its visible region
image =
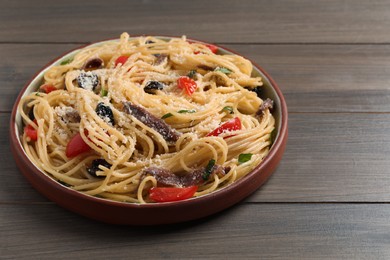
(21, 63)
(321, 231)
(329, 157)
(333, 157)
(14, 188)
(346, 21)
(313, 78)
(327, 78)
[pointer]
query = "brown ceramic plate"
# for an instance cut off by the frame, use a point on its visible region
(158, 213)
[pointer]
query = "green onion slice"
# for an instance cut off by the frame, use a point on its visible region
(64, 62)
(223, 70)
(167, 115)
(208, 170)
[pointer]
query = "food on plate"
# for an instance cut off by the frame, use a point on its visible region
(148, 120)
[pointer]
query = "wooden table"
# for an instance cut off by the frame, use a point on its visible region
(329, 197)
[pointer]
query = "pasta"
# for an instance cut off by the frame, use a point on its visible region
(124, 117)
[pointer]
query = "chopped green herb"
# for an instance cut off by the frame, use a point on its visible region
(37, 94)
(273, 135)
(104, 92)
(180, 111)
(167, 115)
(228, 109)
(208, 170)
(64, 62)
(244, 157)
(191, 74)
(223, 70)
(186, 111)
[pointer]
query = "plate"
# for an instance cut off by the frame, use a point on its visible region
(157, 213)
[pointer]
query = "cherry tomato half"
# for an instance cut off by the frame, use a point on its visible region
(121, 59)
(166, 194)
(48, 88)
(31, 132)
(212, 48)
(76, 146)
(231, 125)
(187, 83)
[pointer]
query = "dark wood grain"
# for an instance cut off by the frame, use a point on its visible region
(328, 158)
(333, 157)
(246, 231)
(20, 63)
(313, 78)
(327, 78)
(329, 197)
(335, 21)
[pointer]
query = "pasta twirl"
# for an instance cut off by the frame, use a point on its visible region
(128, 115)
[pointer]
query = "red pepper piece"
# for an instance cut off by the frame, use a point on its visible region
(76, 146)
(31, 132)
(47, 88)
(231, 125)
(212, 48)
(121, 59)
(166, 194)
(187, 83)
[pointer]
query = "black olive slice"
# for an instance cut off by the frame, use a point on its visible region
(105, 113)
(88, 80)
(93, 64)
(257, 90)
(95, 166)
(152, 86)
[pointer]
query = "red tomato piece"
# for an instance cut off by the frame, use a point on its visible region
(31, 132)
(76, 146)
(166, 194)
(48, 88)
(231, 125)
(212, 48)
(187, 83)
(121, 59)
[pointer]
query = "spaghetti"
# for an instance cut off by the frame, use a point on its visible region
(125, 118)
